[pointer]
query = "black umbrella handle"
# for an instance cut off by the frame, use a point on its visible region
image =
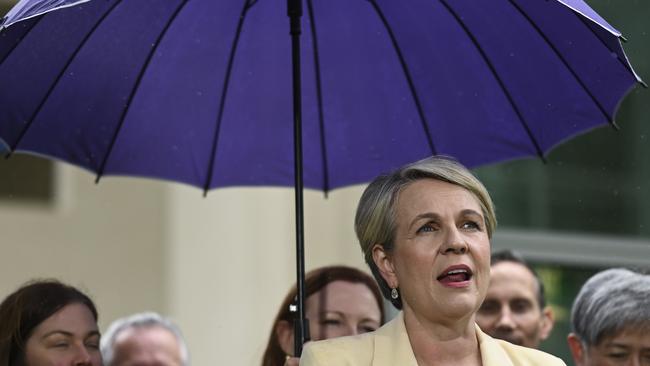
(299, 325)
(301, 330)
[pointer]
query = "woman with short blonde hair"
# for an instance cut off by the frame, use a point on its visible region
(425, 232)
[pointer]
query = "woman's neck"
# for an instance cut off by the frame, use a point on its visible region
(443, 343)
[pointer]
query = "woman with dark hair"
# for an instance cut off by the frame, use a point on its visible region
(48, 323)
(339, 301)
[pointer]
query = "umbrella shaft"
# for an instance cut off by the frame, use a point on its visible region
(301, 335)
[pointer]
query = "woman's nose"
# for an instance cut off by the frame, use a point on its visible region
(454, 243)
(82, 357)
(351, 329)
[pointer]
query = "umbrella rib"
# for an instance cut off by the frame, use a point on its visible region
(224, 90)
(407, 74)
(502, 85)
(610, 119)
(49, 92)
(319, 97)
(20, 40)
(625, 63)
(134, 90)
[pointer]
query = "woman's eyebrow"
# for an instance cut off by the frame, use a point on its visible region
(371, 320)
(69, 334)
(333, 312)
(57, 332)
(93, 333)
(470, 212)
(425, 215)
(617, 345)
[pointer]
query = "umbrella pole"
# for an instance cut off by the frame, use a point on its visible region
(301, 326)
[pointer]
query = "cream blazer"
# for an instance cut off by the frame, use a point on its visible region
(390, 346)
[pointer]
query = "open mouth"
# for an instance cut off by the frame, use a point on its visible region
(455, 274)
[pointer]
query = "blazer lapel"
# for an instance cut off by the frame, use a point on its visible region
(492, 354)
(392, 345)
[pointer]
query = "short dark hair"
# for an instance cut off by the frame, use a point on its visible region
(23, 310)
(315, 281)
(509, 255)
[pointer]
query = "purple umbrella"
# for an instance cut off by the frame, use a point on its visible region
(200, 91)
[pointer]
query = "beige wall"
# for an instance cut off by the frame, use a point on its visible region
(218, 265)
(102, 238)
(232, 259)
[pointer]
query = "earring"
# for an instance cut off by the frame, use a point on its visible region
(394, 294)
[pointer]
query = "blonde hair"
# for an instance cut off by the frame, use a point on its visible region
(375, 217)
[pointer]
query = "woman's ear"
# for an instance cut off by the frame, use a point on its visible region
(384, 263)
(577, 349)
(284, 332)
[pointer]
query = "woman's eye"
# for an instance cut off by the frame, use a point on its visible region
(92, 345)
(618, 356)
(330, 322)
(471, 225)
(426, 228)
(367, 329)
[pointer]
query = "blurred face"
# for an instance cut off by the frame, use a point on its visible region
(628, 348)
(441, 258)
(68, 337)
(510, 310)
(342, 308)
(147, 346)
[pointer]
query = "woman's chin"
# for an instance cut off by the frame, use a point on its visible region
(458, 307)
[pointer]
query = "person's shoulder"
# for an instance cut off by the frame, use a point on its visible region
(497, 352)
(351, 350)
(524, 356)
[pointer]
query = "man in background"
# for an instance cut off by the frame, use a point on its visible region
(144, 339)
(515, 306)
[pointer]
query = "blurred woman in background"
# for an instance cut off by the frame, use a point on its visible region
(48, 323)
(339, 301)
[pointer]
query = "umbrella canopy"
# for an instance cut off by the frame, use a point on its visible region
(199, 91)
